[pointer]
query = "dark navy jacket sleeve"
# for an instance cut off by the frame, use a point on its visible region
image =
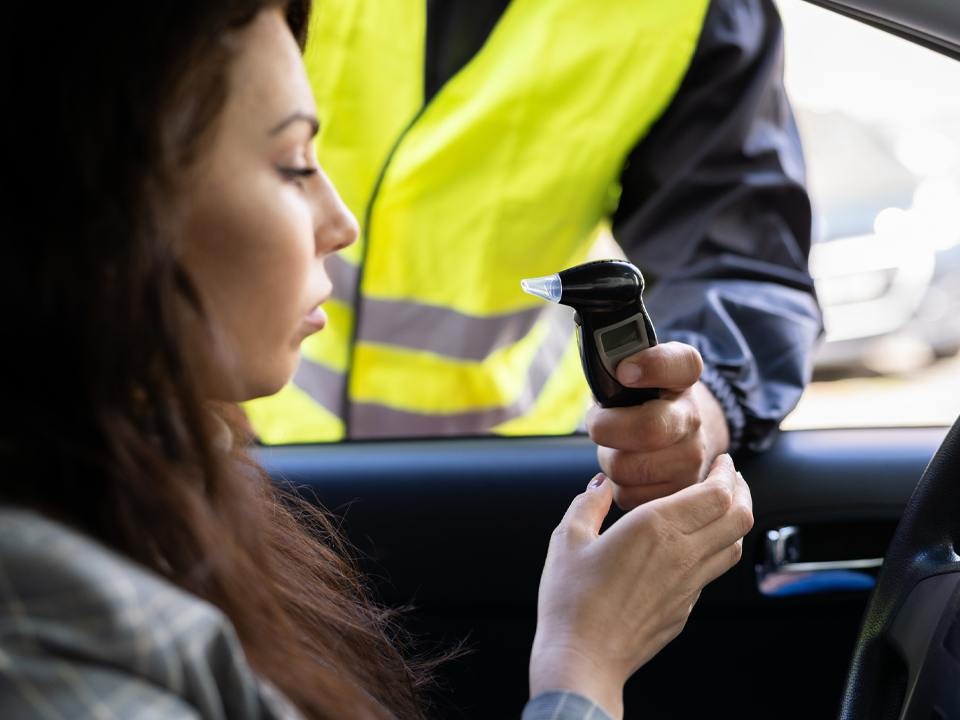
(714, 211)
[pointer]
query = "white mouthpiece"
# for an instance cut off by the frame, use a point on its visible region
(547, 287)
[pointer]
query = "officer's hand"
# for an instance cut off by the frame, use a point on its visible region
(657, 448)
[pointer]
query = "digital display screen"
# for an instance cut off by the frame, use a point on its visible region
(619, 337)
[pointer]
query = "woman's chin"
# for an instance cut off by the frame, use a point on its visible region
(256, 380)
(263, 390)
(272, 383)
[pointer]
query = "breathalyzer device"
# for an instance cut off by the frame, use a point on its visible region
(612, 323)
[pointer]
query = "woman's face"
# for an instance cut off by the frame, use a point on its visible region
(261, 217)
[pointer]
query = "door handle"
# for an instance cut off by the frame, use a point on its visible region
(783, 572)
(829, 565)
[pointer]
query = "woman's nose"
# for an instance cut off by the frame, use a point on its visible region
(336, 226)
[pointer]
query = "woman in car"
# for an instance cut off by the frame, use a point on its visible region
(174, 226)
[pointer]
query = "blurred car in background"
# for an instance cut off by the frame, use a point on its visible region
(886, 257)
(883, 157)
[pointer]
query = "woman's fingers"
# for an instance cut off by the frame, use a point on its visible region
(695, 507)
(588, 509)
(717, 564)
(617, 598)
(732, 526)
(702, 526)
(700, 505)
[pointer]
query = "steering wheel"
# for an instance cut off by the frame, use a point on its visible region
(906, 663)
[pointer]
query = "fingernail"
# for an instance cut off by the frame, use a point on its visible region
(630, 374)
(597, 481)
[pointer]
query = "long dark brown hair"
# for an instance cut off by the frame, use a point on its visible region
(103, 426)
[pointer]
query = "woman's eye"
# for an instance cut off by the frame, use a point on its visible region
(298, 174)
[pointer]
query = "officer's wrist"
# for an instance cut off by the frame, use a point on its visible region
(726, 398)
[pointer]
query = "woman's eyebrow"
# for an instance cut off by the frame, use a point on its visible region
(305, 117)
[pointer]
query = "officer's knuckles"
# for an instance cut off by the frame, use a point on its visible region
(632, 428)
(602, 427)
(694, 418)
(694, 458)
(669, 424)
(628, 497)
(629, 469)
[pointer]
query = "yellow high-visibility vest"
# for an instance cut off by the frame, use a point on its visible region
(509, 171)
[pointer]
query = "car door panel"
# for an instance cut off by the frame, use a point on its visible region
(458, 528)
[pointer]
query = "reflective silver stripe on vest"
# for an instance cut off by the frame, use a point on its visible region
(447, 332)
(323, 385)
(376, 421)
(344, 277)
(439, 330)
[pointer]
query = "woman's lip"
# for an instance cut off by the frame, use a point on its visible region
(316, 318)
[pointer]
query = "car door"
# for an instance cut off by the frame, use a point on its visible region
(459, 527)
(455, 529)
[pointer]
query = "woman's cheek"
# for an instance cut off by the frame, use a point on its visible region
(290, 296)
(278, 288)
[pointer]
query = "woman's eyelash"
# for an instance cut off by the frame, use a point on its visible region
(298, 172)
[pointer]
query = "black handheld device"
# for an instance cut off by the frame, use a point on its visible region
(612, 323)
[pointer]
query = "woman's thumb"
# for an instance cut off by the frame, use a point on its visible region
(589, 508)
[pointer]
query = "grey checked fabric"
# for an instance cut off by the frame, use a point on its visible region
(562, 705)
(87, 634)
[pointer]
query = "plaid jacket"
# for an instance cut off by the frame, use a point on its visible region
(87, 633)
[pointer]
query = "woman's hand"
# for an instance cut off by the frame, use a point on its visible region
(610, 602)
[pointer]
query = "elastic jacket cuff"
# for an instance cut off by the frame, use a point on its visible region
(727, 398)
